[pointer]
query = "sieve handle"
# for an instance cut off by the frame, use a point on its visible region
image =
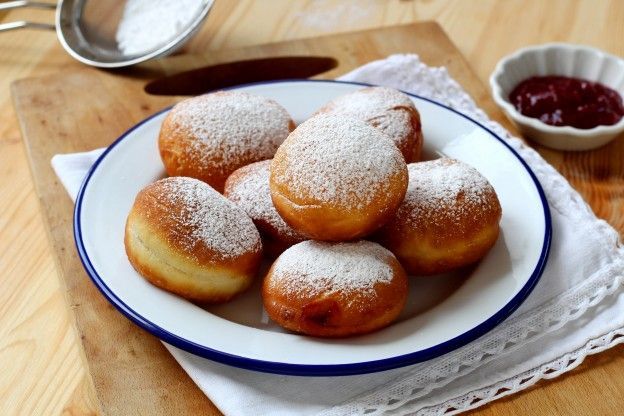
(4, 27)
(7, 5)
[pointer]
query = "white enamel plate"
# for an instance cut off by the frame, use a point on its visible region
(443, 313)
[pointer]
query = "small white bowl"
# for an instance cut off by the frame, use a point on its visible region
(566, 60)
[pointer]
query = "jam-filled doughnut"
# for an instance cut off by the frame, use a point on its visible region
(387, 109)
(185, 237)
(210, 136)
(248, 187)
(449, 218)
(337, 178)
(335, 289)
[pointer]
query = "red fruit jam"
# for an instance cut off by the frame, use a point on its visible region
(563, 101)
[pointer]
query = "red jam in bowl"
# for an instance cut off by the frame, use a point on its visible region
(563, 101)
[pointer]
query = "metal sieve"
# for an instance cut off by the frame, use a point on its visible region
(89, 30)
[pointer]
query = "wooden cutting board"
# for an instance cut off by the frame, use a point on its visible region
(130, 370)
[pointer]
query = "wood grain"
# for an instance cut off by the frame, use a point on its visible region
(42, 372)
(129, 368)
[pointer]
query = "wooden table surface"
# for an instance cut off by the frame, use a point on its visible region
(41, 369)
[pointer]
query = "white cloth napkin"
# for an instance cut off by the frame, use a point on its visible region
(576, 309)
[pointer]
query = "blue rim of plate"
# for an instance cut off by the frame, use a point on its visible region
(316, 369)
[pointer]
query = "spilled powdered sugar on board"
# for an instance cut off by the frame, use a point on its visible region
(327, 15)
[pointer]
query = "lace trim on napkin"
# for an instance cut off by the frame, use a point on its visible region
(525, 380)
(517, 331)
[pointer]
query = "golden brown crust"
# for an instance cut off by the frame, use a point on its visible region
(248, 187)
(169, 249)
(415, 138)
(272, 248)
(210, 136)
(336, 314)
(329, 193)
(435, 231)
(386, 109)
(335, 222)
(421, 257)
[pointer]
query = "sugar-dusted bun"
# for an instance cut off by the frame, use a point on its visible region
(248, 187)
(210, 136)
(387, 109)
(185, 237)
(449, 218)
(335, 289)
(337, 178)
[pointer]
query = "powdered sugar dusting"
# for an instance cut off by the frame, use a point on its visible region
(208, 219)
(444, 185)
(251, 192)
(312, 268)
(384, 108)
(149, 24)
(338, 160)
(232, 127)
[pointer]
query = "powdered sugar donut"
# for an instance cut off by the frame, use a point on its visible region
(185, 237)
(335, 289)
(210, 136)
(337, 178)
(248, 187)
(449, 218)
(387, 109)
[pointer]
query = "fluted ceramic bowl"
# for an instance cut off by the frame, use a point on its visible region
(565, 60)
